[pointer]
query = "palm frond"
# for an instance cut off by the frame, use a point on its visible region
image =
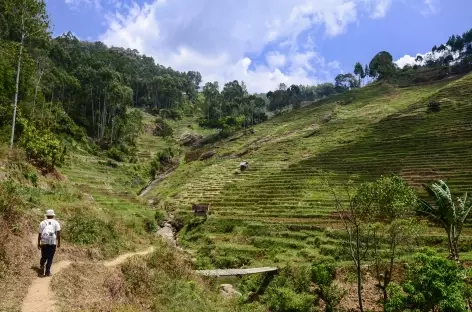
(466, 207)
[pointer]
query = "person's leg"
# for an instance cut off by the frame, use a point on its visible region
(52, 251)
(43, 256)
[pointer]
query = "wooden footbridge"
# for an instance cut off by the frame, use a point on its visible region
(236, 272)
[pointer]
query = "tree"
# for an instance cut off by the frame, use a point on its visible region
(212, 100)
(346, 81)
(359, 71)
(379, 214)
(323, 274)
(233, 94)
(394, 205)
(294, 93)
(357, 216)
(432, 284)
(450, 215)
(28, 20)
(278, 99)
(456, 43)
(243, 85)
(381, 66)
(325, 90)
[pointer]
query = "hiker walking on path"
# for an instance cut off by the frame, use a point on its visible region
(49, 238)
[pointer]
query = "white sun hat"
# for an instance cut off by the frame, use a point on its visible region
(50, 213)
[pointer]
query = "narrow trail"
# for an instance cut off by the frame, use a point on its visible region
(40, 297)
(154, 182)
(122, 258)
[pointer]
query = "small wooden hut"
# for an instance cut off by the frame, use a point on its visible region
(201, 210)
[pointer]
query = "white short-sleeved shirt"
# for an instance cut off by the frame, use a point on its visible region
(55, 224)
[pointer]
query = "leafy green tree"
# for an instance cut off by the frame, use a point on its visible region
(448, 213)
(345, 81)
(359, 71)
(357, 214)
(323, 274)
(381, 66)
(294, 94)
(212, 101)
(325, 90)
(279, 99)
(432, 284)
(456, 43)
(394, 205)
(27, 19)
(233, 95)
(377, 219)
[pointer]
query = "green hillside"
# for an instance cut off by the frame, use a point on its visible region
(278, 210)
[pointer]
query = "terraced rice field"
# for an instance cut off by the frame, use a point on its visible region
(281, 211)
(115, 188)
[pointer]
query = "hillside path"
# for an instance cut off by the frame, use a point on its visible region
(40, 297)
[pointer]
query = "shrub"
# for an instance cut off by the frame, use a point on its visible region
(434, 106)
(115, 154)
(223, 226)
(433, 283)
(41, 147)
(286, 300)
(64, 125)
(159, 216)
(170, 113)
(11, 203)
(163, 281)
(323, 274)
(150, 225)
(162, 129)
(86, 230)
(163, 160)
(32, 177)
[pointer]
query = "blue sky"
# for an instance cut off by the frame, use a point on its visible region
(265, 42)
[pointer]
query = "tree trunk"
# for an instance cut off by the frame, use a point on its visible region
(359, 270)
(137, 89)
(359, 287)
(62, 98)
(99, 114)
(93, 110)
(52, 101)
(36, 89)
(104, 116)
(15, 104)
(455, 243)
(451, 244)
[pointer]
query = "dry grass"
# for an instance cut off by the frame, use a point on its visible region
(17, 256)
(161, 281)
(90, 287)
(370, 292)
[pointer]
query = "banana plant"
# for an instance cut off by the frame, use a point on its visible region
(450, 214)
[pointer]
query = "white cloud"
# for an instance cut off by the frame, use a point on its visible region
(406, 60)
(275, 59)
(432, 7)
(76, 4)
(410, 60)
(216, 37)
(381, 8)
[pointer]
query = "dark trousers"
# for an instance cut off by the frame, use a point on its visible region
(47, 254)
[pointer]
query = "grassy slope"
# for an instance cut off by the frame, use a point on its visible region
(114, 201)
(279, 210)
(115, 189)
